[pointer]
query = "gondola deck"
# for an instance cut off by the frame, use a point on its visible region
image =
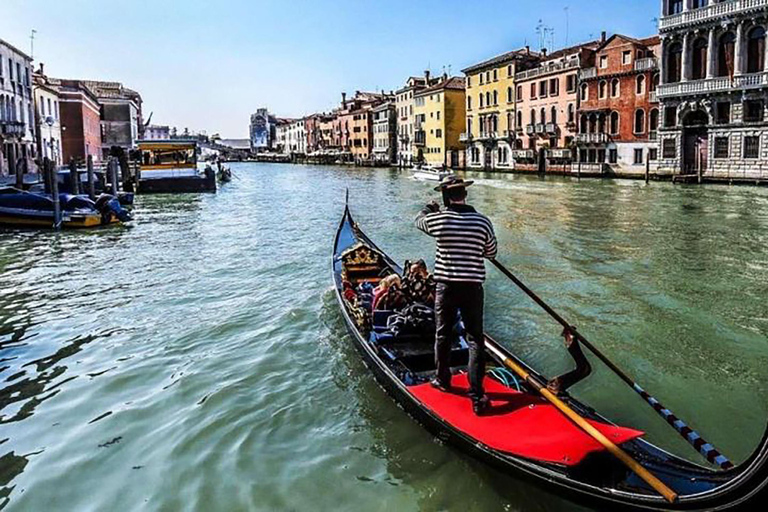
(540, 447)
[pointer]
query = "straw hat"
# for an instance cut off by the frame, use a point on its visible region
(451, 182)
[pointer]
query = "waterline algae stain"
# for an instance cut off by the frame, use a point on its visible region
(197, 360)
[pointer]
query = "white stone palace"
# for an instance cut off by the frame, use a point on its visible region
(714, 88)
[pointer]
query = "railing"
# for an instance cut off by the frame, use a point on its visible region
(563, 154)
(587, 73)
(465, 137)
(530, 129)
(646, 63)
(13, 128)
(551, 128)
(710, 12)
(653, 97)
(547, 68)
(593, 167)
(711, 85)
(541, 128)
(592, 138)
(523, 154)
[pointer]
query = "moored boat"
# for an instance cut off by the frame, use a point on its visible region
(19, 208)
(525, 435)
(170, 166)
(431, 173)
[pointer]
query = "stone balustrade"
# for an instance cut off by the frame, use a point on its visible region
(713, 85)
(710, 12)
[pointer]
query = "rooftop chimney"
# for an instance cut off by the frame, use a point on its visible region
(426, 75)
(603, 36)
(42, 69)
(527, 50)
(344, 100)
(544, 52)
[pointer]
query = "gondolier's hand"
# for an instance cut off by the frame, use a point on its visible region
(433, 207)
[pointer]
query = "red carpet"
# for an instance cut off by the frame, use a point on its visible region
(518, 423)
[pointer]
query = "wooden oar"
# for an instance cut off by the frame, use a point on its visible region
(624, 457)
(707, 450)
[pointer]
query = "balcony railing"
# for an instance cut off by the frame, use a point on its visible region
(13, 128)
(653, 97)
(541, 128)
(587, 73)
(465, 137)
(523, 154)
(530, 129)
(562, 154)
(547, 68)
(487, 135)
(646, 63)
(712, 85)
(550, 128)
(711, 12)
(591, 138)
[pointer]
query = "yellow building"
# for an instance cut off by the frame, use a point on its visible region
(439, 121)
(490, 132)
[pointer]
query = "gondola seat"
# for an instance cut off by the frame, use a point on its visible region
(518, 423)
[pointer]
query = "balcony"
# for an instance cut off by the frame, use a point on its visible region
(13, 128)
(713, 85)
(646, 64)
(560, 154)
(523, 154)
(530, 129)
(541, 128)
(420, 138)
(586, 74)
(550, 128)
(591, 138)
(545, 69)
(487, 136)
(465, 137)
(653, 97)
(711, 13)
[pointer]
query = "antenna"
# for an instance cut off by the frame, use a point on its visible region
(32, 44)
(567, 27)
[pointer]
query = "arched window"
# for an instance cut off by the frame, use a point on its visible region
(510, 121)
(533, 116)
(495, 124)
(699, 58)
(601, 123)
(488, 99)
(756, 50)
(519, 118)
(543, 116)
(481, 100)
(640, 121)
(495, 97)
(592, 123)
(674, 63)
(615, 88)
(655, 82)
(509, 95)
(654, 120)
(614, 123)
(726, 55)
(583, 128)
(602, 90)
(571, 113)
(469, 102)
(553, 115)
(640, 88)
(584, 92)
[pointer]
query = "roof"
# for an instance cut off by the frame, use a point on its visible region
(648, 41)
(456, 83)
(593, 45)
(9, 45)
(514, 55)
(153, 145)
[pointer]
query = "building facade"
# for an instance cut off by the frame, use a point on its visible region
(47, 117)
(282, 127)
(404, 106)
(619, 111)
(262, 130)
(121, 115)
(714, 88)
(439, 120)
(157, 132)
(80, 122)
(385, 133)
(490, 109)
(546, 106)
(296, 137)
(319, 128)
(17, 118)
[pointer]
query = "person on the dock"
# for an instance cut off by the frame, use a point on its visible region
(464, 238)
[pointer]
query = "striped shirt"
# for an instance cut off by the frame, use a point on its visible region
(464, 238)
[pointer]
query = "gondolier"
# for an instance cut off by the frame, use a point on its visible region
(464, 239)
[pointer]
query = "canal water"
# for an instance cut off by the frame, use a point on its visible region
(196, 360)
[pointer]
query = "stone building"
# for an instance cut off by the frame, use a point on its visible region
(319, 128)
(262, 130)
(714, 88)
(546, 106)
(282, 128)
(404, 102)
(17, 118)
(48, 116)
(439, 117)
(121, 114)
(385, 133)
(80, 122)
(490, 109)
(618, 107)
(353, 124)
(296, 137)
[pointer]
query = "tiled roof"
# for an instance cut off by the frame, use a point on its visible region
(455, 83)
(501, 59)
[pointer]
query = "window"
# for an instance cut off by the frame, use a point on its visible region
(640, 121)
(584, 92)
(481, 79)
(602, 90)
(670, 117)
(614, 123)
(469, 102)
(495, 75)
(751, 147)
(570, 83)
(753, 111)
(756, 50)
(510, 98)
(571, 113)
(638, 156)
(721, 147)
(674, 7)
(481, 100)
(674, 63)
(554, 87)
(519, 119)
(438, 115)
(653, 154)
(469, 81)
(699, 57)
(439, 133)
(723, 113)
(488, 98)
(640, 85)
(519, 93)
(510, 70)
(615, 88)
(653, 125)
(613, 156)
(669, 148)
(603, 61)
(543, 89)
(543, 116)
(726, 52)
(495, 97)
(553, 115)
(533, 91)
(533, 116)
(626, 58)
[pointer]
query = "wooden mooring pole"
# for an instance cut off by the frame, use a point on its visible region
(91, 177)
(55, 195)
(112, 166)
(74, 178)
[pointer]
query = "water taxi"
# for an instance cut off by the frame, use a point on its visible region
(170, 166)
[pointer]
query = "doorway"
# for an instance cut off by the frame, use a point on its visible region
(695, 143)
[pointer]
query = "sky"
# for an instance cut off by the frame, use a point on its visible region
(207, 65)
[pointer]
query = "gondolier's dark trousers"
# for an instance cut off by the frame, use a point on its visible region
(467, 298)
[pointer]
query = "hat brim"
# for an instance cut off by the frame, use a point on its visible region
(463, 184)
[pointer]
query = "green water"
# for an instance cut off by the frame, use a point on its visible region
(197, 360)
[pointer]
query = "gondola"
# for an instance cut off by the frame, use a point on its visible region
(523, 435)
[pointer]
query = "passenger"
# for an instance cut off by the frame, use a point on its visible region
(464, 238)
(383, 288)
(418, 285)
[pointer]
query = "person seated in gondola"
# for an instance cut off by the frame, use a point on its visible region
(418, 284)
(388, 296)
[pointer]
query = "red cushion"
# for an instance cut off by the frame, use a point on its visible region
(518, 423)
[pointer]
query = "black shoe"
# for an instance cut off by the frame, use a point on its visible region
(481, 406)
(440, 385)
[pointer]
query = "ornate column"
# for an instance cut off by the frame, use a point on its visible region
(685, 72)
(712, 53)
(739, 52)
(663, 61)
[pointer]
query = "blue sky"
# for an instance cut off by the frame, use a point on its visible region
(208, 64)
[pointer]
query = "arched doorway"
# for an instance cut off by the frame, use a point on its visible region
(695, 142)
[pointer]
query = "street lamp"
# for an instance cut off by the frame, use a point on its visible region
(50, 121)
